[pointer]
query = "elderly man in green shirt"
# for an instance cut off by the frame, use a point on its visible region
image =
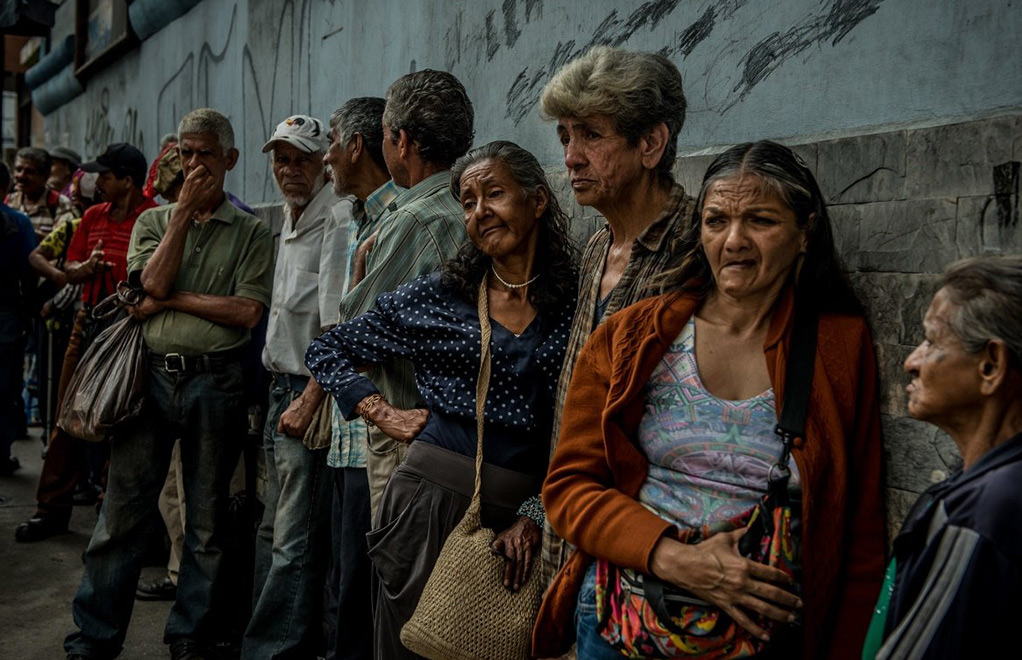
(427, 125)
(206, 268)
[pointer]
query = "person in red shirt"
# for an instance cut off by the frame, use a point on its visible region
(97, 259)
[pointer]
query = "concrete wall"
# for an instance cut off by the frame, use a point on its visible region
(910, 112)
(784, 69)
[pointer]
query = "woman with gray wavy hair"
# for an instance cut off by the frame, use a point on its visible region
(618, 116)
(951, 590)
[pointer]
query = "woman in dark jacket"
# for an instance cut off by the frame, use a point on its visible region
(952, 589)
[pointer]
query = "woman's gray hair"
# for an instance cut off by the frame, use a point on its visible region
(362, 115)
(434, 109)
(637, 91)
(556, 257)
(207, 121)
(986, 298)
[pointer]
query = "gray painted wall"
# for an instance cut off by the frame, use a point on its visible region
(784, 69)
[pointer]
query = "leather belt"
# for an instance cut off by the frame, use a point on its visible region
(176, 363)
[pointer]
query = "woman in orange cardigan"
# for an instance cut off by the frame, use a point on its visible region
(669, 426)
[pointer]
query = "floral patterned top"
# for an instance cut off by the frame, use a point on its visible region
(709, 458)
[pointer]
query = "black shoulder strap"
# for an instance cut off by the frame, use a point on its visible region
(798, 381)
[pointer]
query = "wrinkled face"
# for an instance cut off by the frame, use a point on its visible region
(601, 164)
(750, 237)
(500, 217)
(204, 150)
(338, 158)
(299, 174)
(395, 165)
(945, 385)
(29, 178)
(112, 189)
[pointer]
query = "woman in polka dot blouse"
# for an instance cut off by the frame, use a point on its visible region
(519, 243)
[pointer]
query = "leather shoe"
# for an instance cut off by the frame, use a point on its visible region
(158, 589)
(39, 527)
(186, 649)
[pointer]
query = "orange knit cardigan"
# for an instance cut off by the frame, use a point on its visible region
(597, 469)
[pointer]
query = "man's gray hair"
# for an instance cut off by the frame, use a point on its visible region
(37, 157)
(637, 91)
(986, 297)
(207, 121)
(433, 108)
(362, 115)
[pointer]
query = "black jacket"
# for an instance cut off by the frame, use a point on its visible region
(958, 586)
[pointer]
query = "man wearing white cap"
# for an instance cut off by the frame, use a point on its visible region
(293, 543)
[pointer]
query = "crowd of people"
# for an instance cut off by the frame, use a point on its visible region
(426, 338)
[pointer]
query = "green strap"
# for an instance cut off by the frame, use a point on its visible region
(875, 634)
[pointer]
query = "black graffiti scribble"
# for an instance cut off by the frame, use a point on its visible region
(831, 24)
(486, 38)
(840, 17)
(1006, 180)
(492, 42)
(523, 95)
(696, 33)
(686, 40)
(511, 31)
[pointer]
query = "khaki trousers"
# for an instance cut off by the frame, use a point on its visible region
(383, 457)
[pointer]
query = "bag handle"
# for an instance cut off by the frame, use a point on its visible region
(797, 387)
(124, 296)
(482, 383)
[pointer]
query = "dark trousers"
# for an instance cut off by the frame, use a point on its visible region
(349, 608)
(66, 461)
(205, 410)
(11, 357)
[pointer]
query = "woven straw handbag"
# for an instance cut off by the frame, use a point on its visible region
(465, 612)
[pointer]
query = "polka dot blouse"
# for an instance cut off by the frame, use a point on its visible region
(438, 331)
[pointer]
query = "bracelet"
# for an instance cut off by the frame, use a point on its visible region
(533, 508)
(368, 404)
(720, 567)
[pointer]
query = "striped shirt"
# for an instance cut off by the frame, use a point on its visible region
(349, 439)
(655, 248)
(424, 227)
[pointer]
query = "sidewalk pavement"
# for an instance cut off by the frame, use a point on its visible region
(38, 580)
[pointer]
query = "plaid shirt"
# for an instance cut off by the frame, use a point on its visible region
(424, 228)
(348, 441)
(654, 250)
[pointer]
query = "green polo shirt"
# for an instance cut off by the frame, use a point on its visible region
(231, 254)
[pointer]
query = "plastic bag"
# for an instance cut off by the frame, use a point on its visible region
(108, 386)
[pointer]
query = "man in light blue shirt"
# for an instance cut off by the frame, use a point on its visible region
(357, 168)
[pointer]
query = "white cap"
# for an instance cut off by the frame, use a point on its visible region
(305, 132)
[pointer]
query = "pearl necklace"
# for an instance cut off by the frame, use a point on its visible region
(508, 284)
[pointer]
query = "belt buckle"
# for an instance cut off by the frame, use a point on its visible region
(168, 363)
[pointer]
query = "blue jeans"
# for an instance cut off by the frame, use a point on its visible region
(205, 411)
(589, 644)
(293, 542)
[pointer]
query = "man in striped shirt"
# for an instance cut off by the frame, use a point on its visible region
(427, 125)
(357, 167)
